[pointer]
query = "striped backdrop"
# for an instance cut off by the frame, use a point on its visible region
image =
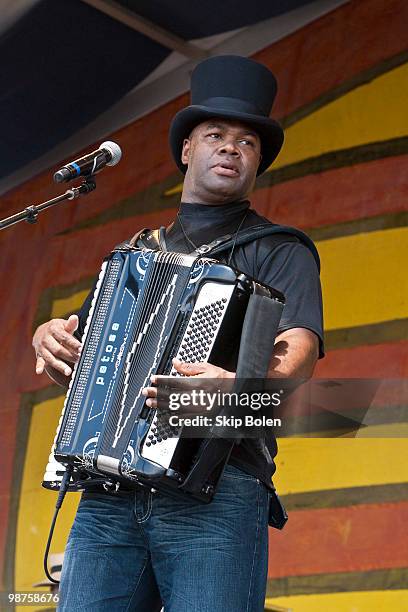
(342, 177)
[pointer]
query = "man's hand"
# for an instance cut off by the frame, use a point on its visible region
(56, 349)
(196, 370)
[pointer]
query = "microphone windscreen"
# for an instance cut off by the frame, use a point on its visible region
(115, 151)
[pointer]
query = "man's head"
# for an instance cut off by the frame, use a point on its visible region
(222, 158)
(233, 90)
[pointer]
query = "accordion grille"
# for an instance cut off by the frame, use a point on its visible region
(92, 343)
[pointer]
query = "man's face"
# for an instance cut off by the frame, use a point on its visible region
(223, 158)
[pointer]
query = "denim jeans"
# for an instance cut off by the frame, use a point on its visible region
(146, 550)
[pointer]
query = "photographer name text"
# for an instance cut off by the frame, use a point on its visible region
(224, 421)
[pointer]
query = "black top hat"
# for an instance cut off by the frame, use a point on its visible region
(230, 87)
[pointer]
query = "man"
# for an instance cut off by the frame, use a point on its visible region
(133, 551)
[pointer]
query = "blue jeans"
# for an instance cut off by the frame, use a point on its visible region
(146, 550)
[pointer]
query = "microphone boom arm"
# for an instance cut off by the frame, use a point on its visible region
(30, 213)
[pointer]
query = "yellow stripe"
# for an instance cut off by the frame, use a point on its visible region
(396, 430)
(36, 505)
(360, 601)
(62, 306)
(319, 464)
(385, 430)
(364, 278)
(174, 190)
(370, 113)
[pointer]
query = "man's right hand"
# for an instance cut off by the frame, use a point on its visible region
(56, 348)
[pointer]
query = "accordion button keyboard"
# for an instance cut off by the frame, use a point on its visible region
(196, 346)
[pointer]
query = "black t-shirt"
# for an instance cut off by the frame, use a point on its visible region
(288, 267)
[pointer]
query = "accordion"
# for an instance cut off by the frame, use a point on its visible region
(148, 307)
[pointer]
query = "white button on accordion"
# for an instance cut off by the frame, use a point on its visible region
(148, 307)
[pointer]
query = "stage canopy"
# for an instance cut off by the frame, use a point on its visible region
(72, 71)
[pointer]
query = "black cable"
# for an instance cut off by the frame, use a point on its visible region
(60, 499)
(236, 237)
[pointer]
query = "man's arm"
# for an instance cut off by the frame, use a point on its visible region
(295, 354)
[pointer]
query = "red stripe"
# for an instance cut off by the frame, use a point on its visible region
(388, 360)
(356, 538)
(8, 442)
(345, 194)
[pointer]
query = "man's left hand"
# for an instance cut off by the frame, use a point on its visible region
(196, 370)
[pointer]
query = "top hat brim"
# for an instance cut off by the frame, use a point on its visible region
(269, 131)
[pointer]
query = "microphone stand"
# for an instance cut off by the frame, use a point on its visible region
(30, 213)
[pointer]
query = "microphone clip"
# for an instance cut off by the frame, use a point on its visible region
(88, 185)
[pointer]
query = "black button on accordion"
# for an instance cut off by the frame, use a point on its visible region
(148, 307)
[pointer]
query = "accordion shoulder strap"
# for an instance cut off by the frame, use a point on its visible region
(156, 239)
(282, 233)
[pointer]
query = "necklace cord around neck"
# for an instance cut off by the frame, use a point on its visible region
(236, 236)
(195, 247)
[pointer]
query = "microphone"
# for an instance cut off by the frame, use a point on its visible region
(108, 154)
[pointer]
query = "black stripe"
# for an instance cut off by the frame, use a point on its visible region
(337, 92)
(341, 582)
(375, 333)
(359, 226)
(352, 496)
(334, 421)
(335, 159)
